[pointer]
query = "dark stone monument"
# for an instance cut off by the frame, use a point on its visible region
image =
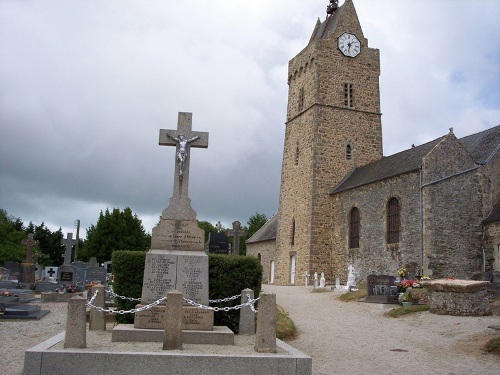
(15, 269)
(381, 289)
(218, 243)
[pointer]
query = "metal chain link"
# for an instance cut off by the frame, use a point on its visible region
(113, 294)
(250, 302)
(224, 299)
(122, 312)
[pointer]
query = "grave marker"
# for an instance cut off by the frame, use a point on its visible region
(236, 233)
(67, 272)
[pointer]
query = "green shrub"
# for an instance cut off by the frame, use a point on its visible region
(128, 272)
(228, 276)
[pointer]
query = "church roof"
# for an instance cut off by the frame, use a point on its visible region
(330, 24)
(266, 232)
(482, 147)
(494, 216)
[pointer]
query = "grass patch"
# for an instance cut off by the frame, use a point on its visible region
(493, 346)
(400, 311)
(285, 327)
(353, 296)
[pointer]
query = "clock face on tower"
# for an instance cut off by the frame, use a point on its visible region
(349, 45)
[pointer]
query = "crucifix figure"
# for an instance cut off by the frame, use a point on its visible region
(30, 242)
(183, 138)
(182, 150)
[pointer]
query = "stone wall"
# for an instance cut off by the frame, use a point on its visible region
(266, 251)
(374, 255)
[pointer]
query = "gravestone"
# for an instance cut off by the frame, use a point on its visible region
(27, 271)
(236, 233)
(15, 269)
(177, 260)
(4, 273)
(94, 273)
(50, 273)
(66, 272)
(218, 243)
(381, 289)
(80, 274)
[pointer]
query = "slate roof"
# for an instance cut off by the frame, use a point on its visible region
(329, 24)
(482, 146)
(494, 215)
(266, 232)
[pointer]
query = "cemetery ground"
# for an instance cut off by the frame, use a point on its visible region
(341, 337)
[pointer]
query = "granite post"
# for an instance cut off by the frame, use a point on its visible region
(98, 318)
(172, 338)
(76, 335)
(265, 338)
(247, 316)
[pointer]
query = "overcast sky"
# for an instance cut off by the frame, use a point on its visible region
(85, 87)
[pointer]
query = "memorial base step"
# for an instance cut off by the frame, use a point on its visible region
(127, 332)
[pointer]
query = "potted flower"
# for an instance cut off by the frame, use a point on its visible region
(407, 299)
(402, 273)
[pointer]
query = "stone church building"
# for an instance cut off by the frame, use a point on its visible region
(434, 208)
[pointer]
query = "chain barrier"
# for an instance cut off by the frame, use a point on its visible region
(250, 302)
(122, 312)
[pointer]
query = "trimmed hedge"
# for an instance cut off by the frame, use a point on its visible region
(228, 276)
(128, 272)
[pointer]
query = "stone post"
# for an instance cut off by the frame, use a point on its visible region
(76, 335)
(98, 318)
(247, 316)
(172, 338)
(265, 338)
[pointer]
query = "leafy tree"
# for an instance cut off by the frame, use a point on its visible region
(49, 249)
(11, 235)
(255, 222)
(207, 227)
(116, 230)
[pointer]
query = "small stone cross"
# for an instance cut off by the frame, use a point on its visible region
(68, 242)
(30, 242)
(236, 233)
(183, 138)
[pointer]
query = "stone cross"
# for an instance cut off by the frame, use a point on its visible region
(183, 138)
(68, 242)
(236, 233)
(30, 242)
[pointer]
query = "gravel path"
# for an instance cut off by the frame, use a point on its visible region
(342, 338)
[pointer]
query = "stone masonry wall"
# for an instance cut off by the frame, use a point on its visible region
(374, 255)
(453, 211)
(266, 251)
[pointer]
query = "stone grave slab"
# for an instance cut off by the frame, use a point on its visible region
(21, 311)
(46, 286)
(381, 289)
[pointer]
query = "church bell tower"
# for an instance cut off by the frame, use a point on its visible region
(333, 125)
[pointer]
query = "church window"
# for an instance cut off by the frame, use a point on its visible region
(293, 232)
(393, 220)
(354, 228)
(297, 154)
(301, 99)
(348, 94)
(348, 152)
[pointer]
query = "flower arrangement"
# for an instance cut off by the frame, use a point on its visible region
(425, 277)
(5, 294)
(404, 284)
(407, 297)
(70, 288)
(402, 272)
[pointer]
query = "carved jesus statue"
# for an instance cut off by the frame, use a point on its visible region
(182, 153)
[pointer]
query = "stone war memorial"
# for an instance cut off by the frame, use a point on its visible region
(173, 309)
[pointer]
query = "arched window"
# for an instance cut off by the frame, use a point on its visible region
(393, 220)
(301, 99)
(354, 228)
(297, 154)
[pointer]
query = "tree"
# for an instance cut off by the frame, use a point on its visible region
(116, 230)
(255, 222)
(49, 249)
(207, 227)
(11, 235)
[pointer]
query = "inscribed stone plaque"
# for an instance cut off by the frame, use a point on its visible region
(193, 318)
(177, 235)
(218, 243)
(185, 271)
(66, 274)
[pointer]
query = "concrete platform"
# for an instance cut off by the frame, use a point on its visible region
(109, 358)
(127, 332)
